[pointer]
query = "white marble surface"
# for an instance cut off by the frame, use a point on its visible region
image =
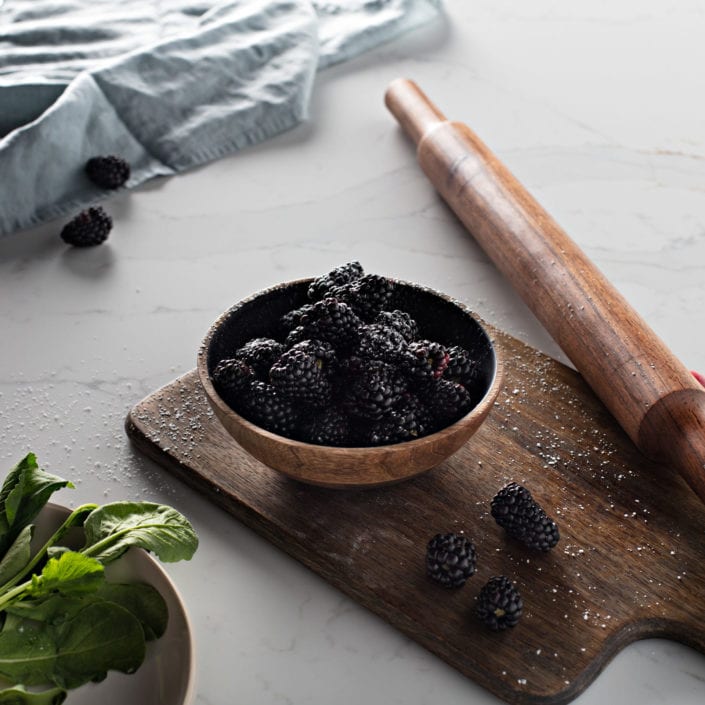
(598, 107)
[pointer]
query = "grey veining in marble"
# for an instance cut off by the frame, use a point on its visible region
(598, 107)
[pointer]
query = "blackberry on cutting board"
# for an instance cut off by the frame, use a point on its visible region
(301, 373)
(516, 511)
(499, 604)
(450, 559)
(89, 228)
(260, 354)
(109, 172)
(339, 276)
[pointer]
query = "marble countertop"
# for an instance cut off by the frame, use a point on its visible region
(597, 107)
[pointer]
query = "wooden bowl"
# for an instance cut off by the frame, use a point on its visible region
(439, 317)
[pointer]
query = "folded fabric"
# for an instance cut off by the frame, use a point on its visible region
(166, 84)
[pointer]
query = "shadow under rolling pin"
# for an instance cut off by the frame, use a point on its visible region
(653, 396)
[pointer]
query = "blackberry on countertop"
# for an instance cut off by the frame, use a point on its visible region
(450, 559)
(109, 172)
(499, 604)
(516, 511)
(320, 287)
(378, 342)
(371, 388)
(329, 320)
(301, 373)
(367, 295)
(260, 354)
(401, 322)
(425, 361)
(90, 227)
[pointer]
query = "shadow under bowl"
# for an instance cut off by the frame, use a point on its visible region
(439, 318)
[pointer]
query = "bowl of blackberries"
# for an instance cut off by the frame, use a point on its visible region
(349, 379)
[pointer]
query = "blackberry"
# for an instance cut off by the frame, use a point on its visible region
(367, 295)
(233, 374)
(462, 366)
(297, 335)
(450, 559)
(328, 428)
(371, 388)
(339, 276)
(499, 604)
(515, 510)
(408, 421)
(377, 342)
(108, 172)
(265, 406)
(401, 322)
(260, 354)
(231, 378)
(447, 401)
(425, 361)
(325, 352)
(292, 319)
(329, 320)
(88, 228)
(302, 374)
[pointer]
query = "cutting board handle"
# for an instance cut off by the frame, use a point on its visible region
(653, 396)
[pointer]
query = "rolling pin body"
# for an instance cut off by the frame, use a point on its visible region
(649, 391)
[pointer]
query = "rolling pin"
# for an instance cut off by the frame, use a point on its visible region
(652, 395)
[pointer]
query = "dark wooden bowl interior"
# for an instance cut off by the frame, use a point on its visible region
(439, 317)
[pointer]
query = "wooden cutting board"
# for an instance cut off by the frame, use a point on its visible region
(630, 562)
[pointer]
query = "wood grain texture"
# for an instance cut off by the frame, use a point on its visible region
(650, 392)
(630, 562)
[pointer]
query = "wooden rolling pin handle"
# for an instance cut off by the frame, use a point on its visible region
(649, 391)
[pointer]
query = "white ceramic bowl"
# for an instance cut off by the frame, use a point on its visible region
(166, 677)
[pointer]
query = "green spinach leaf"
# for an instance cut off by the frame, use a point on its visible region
(17, 557)
(25, 491)
(70, 574)
(51, 610)
(20, 696)
(101, 636)
(113, 528)
(140, 599)
(143, 601)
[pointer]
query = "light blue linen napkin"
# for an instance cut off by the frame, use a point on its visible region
(166, 84)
